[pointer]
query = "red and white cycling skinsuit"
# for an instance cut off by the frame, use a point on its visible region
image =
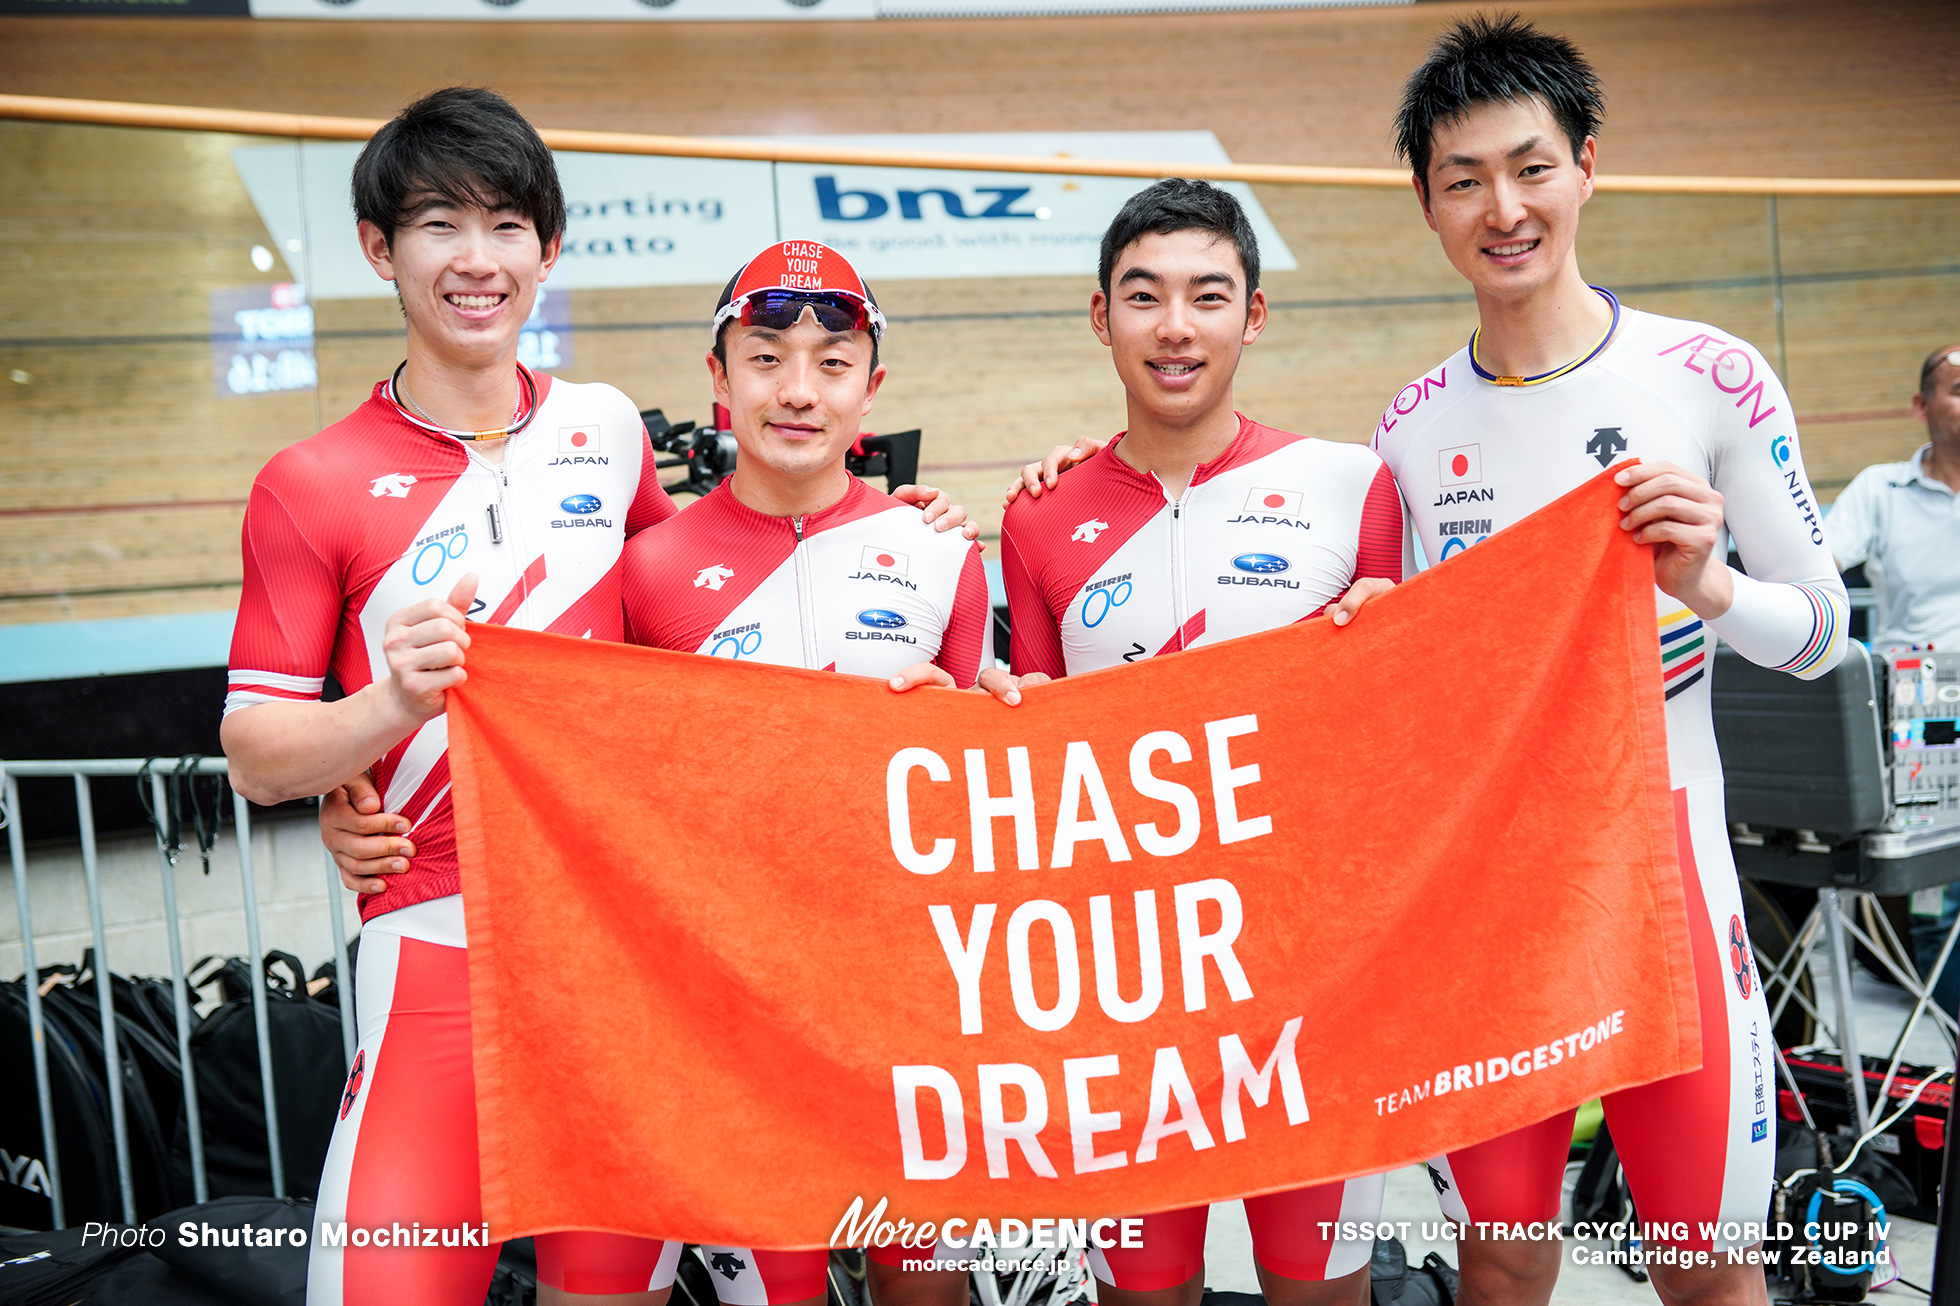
(343, 530)
(1472, 457)
(1107, 569)
(864, 587)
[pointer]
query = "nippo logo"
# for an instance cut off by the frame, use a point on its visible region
(1261, 564)
(1739, 954)
(1779, 449)
(880, 619)
(582, 504)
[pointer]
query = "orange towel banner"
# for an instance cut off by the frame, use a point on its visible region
(747, 943)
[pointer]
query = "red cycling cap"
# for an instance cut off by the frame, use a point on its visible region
(805, 266)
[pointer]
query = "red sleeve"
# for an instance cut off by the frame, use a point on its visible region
(288, 613)
(1035, 643)
(1379, 551)
(968, 638)
(651, 506)
(636, 591)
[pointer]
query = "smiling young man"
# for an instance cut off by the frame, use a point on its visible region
(1197, 525)
(464, 484)
(792, 561)
(1559, 381)
(464, 487)
(795, 562)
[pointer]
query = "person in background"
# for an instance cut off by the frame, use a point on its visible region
(1901, 522)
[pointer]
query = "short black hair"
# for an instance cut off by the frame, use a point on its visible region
(467, 146)
(1180, 204)
(1488, 58)
(1932, 365)
(721, 334)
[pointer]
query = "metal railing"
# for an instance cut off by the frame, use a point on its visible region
(180, 117)
(158, 771)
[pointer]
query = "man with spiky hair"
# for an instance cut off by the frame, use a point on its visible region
(1558, 381)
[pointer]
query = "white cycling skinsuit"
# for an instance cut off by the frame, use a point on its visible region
(1473, 456)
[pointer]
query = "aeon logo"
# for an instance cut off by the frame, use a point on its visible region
(867, 205)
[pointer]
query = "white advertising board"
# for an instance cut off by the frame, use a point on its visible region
(1066, 8)
(752, 10)
(914, 222)
(634, 220)
(684, 11)
(631, 220)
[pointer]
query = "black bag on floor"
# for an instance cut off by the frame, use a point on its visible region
(81, 1120)
(143, 1280)
(147, 1030)
(1388, 1270)
(1433, 1283)
(1597, 1197)
(515, 1280)
(73, 1011)
(308, 1073)
(241, 1273)
(1391, 1281)
(54, 1269)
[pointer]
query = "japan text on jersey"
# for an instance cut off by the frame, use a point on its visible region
(864, 587)
(1473, 457)
(377, 513)
(1108, 568)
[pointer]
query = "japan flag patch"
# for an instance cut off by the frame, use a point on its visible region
(1460, 466)
(885, 560)
(579, 439)
(1284, 503)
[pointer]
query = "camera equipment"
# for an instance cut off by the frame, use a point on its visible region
(1851, 780)
(1846, 783)
(708, 453)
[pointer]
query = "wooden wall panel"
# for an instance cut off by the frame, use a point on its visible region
(122, 473)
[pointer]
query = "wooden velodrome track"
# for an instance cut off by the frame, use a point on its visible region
(122, 475)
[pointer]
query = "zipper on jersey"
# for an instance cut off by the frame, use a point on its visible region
(806, 604)
(1180, 595)
(503, 526)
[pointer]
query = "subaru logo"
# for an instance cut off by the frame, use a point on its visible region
(1262, 563)
(880, 619)
(582, 504)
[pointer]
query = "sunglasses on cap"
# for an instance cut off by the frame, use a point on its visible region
(779, 310)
